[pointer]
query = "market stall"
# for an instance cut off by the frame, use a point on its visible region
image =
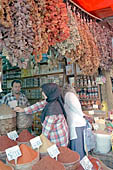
(55, 41)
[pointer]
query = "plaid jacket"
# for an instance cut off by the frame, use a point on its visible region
(56, 130)
(54, 127)
(10, 97)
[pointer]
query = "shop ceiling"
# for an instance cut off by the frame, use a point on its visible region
(102, 9)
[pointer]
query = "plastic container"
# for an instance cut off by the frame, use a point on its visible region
(103, 143)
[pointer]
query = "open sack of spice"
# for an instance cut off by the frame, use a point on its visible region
(48, 163)
(5, 143)
(24, 137)
(46, 143)
(28, 158)
(7, 119)
(97, 164)
(70, 159)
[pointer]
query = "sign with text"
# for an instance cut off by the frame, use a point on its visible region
(36, 142)
(86, 163)
(13, 153)
(12, 135)
(53, 151)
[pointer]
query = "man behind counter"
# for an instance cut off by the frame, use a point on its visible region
(15, 97)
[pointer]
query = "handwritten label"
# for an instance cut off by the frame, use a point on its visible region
(53, 151)
(86, 163)
(36, 142)
(12, 135)
(13, 153)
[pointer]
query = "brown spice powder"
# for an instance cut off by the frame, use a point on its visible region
(25, 136)
(67, 155)
(5, 143)
(48, 163)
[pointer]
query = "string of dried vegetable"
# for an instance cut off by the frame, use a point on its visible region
(56, 21)
(40, 44)
(103, 40)
(69, 45)
(5, 18)
(89, 60)
(20, 38)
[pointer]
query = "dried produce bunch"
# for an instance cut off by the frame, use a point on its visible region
(37, 12)
(103, 40)
(68, 46)
(49, 22)
(89, 60)
(5, 18)
(56, 21)
(20, 37)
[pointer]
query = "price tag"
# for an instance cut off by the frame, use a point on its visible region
(91, 112)
(86, 163)
(95, 106)
(13, 152)
(12, 135)
(53, 151)
(36, 142)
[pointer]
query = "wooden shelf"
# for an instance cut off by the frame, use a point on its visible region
(45, 74)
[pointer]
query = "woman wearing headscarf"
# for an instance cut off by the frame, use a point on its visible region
(53, 116)
(75, 119)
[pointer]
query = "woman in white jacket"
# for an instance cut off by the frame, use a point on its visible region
(75, 119)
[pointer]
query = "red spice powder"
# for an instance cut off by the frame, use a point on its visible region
(25, 136)
(48, 163)
(96, 166)
(28, 155)
(67, 155)
(5, 143)
(4, 166)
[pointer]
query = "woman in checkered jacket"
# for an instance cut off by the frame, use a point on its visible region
(53, 117)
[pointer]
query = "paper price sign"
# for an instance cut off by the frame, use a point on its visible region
(36, 142)
(12, 135)
(13, 152)
(53, 151)
(86, 163)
